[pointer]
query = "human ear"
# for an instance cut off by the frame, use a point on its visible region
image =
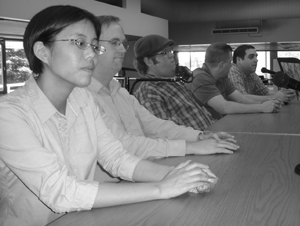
(238, 59)
(221, 64)
(41, 51)
(148, 61)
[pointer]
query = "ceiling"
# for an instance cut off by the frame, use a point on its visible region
(216, 10)
(220, 10)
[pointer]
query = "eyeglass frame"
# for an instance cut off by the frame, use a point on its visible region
(166, 52)
(118, 43)
(98, 49)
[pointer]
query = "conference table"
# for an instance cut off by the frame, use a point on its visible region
(285, 122)
(257, 184)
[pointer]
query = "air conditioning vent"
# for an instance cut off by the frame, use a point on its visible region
(243, 30)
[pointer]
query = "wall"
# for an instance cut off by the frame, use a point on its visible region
(134, 22)
(273, 30)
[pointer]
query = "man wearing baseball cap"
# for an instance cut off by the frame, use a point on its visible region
(166, 100)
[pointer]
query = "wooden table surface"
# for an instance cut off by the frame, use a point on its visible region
(286, 122)
(257, 186)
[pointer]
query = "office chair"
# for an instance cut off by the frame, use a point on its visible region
(291, 66)
(123, 79)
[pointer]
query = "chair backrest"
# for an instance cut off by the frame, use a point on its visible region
(291, 66)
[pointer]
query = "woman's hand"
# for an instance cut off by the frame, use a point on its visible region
(186, 177)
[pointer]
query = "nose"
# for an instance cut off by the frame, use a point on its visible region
(90, 53)
(123, 48)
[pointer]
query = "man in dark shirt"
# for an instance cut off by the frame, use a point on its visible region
(212, 88)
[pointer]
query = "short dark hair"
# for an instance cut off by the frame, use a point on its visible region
(106, 20)
(217, 52)
(46, 24)
(241, 52)
(140, 65)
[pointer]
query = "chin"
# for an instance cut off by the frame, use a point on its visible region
(84, 82)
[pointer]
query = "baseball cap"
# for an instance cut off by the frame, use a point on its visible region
(150, 45)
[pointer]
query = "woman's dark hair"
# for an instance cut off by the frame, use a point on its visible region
(46, 24)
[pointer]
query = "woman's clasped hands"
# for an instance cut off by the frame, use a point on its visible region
(187, 176)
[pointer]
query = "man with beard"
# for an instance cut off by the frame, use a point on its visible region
(243, 77)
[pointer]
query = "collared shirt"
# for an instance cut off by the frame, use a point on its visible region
(172, 101)
(205, 86)
(134, 125)
(48, 160)
(251, 84)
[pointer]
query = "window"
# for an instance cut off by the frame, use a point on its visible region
(2, 85)
(194, 60)
(295, 54)
(14, 65)
(264, 60)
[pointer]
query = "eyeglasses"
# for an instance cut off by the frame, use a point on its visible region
(82, 44)
(168, 53)
(116, 43)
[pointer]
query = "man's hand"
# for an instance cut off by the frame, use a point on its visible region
(217, 136)
(286, 95)
(271, 105)
(210, 146)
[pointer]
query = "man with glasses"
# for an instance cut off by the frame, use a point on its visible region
(140, 132)
(166, 100)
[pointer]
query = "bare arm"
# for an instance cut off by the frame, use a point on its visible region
(283, 95)
(178, 180)
(241, 104)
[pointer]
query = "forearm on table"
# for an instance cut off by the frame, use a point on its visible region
(112, 194)
(238, 108)
(146, 171)
(258, 98)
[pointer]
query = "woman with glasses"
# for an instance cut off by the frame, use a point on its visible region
(52, 134)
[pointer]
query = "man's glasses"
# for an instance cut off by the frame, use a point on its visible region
(116, 43)
(82, 44)
(168, 53)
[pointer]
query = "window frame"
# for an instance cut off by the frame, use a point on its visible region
(3, 40)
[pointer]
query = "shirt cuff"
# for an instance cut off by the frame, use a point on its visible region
(85, 195)
(128, 167)
(194, 135)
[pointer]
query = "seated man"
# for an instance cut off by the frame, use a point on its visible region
(166, 100)
(212, 88)
(242, 75)
(130, 122)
